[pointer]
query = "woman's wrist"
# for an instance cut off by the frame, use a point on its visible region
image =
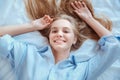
(88, 20)
(38, 24)
(34, 25)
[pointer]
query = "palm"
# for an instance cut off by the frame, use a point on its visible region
(43, 22)
(81, 10)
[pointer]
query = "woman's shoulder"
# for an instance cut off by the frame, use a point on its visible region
(6, 38)
(44, 48)
(111, 39)
(8, 42)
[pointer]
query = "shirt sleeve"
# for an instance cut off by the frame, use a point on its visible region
(12, 50)
(109, 51)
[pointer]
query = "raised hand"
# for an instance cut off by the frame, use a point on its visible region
(81, 10)
(38, 24)
(42, 23)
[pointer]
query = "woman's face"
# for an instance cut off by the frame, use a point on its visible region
(61, 35)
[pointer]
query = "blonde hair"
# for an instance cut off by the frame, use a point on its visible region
(75, 27)
(38, 8)
(85, 29)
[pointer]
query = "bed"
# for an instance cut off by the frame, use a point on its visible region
(12, 12)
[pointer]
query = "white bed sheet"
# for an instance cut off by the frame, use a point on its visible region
(110, 8)
(13, 12)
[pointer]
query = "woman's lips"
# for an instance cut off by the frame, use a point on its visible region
(59, 41)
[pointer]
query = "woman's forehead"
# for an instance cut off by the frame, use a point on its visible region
(61, 23)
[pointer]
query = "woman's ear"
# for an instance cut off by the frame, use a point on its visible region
(75, 40)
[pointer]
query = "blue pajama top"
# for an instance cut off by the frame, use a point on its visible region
(25, 61)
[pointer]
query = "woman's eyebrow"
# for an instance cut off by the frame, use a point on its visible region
(63, 28)
(53, 28)
(66, 28)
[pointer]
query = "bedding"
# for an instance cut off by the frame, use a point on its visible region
(12, 12)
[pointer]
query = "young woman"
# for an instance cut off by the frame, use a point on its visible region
(55, 60)
(53, 7)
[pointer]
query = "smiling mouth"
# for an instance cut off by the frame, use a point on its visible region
(59, 41)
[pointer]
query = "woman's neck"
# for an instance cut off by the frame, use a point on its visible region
(60, 55)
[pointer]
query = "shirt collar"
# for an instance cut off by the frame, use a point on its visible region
(80, 55)
(85, 52)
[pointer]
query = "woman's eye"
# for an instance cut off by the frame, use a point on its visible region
(66, 31)
(54, 31)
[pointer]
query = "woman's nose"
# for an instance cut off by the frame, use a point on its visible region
(60, 34)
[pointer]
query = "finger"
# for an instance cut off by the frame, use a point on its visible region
(73, 6)
(49, 20)
(47, 25)
(77, 4)
(80, 4)
(46, 19)
(78, 14)
(76, 11)
(83, 3)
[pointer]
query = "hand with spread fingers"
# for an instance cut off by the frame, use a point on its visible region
(42, 23)
(38, 24)
(81, 10)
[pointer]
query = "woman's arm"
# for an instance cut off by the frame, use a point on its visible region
(109, 49)
(83, 12)
(38, 24)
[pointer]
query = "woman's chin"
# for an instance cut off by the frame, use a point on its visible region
(59, 47)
